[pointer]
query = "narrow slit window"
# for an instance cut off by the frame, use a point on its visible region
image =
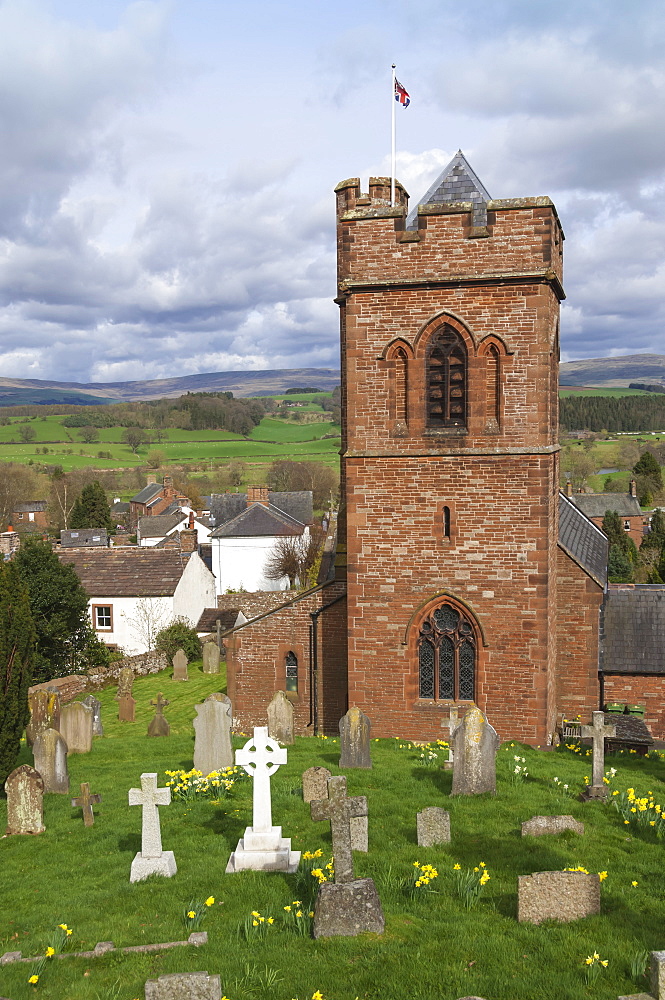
(291, 672)
(492, 384)
(446, 522)
(400, 384)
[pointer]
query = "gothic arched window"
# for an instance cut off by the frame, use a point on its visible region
(447, 656)
(492, 386)
(399, 358)
(291, 671)
(446, 380)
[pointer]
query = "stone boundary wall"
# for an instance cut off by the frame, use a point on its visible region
(256, 603)
(74, 685)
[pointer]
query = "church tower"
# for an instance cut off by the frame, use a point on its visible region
(449, 323)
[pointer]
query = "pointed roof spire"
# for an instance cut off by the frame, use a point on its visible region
(457, 182)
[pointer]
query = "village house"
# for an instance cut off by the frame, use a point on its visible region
(156, 499)
(154, 530)
(30, 516)
(626, 505)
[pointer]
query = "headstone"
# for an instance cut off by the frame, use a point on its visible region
(657, 978)
(125, 682)
(262, 848)
(433, 826)
(96, 706)
(598, 732)
(25, 793)
(561, 896)
(50, 755)
(151, 859)
(210, 658)
(159, 726)
(126, 708)
(475, 744)
(184, 986)
(340, 810)
(44, 713)
(212, 741)
(76, 727)
(354, 730)
(280, 718)
(450, 724)
(539, 825)
(315, 783)
(345, 909)
(180, 664)
(85, 802)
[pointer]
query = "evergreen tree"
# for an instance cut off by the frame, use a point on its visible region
(91, 509)
(649, 478)
(623, 554)
(17, 646)
(59, 607)
(619, 566)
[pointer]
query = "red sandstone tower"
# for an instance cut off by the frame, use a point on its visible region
(449, 322)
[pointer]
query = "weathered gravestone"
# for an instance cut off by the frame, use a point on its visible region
(180, 664)
(76, 727)
(96, 706)
(433, 826)
(212, 741)
(598, 732)
(657, 980)
(475, 744)
(50, 756)
(184, 986)
(354, 731)
(539, 825)
(151, 859)
(126, 708)
(25, 793)
(210, 658)
(262, 848)
(450, 724)
(561, 896)
(126, 703)
(125, 682)
(44, 713)
(347, 906)
(85, 801)
(315, 783)
(159, 725)
(280, 718)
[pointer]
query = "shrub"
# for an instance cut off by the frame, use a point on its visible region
(179, 635)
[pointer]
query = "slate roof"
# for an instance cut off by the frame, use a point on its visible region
(29, 506)
(296, 503)
(127, 572)
(120, 507)
(258, 520)
(632, 629)
(148, 493)
(210, 616)
(457, 182)
(84, 537)
(159, 524)
(583, 541)
(596, 504)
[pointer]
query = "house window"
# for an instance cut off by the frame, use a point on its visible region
(291, 672)
(446, 380)
(102, 617)
(19, 517)
(446, 656)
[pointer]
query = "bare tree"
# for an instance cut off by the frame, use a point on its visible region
(149, 617)
(294, 556)
(18, 483)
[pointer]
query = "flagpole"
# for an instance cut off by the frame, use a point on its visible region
(392, 160)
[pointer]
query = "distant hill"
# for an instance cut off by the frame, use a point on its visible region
(614, 372)
(18, 391)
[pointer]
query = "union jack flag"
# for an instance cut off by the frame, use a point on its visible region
(401, 95)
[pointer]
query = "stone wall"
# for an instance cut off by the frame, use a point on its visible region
(640, 689)
(579, 601)
(74, 685)
(254, 603)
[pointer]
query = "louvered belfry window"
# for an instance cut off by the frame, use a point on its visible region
(446, 380)
(447, 656)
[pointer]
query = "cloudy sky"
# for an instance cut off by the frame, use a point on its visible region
(167, 166)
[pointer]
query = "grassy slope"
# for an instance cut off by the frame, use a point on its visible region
(432, 947)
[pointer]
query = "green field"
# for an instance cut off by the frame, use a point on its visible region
(590, 391)
(432, 948)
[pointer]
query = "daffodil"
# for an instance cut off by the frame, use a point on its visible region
(33, 979)
(50, 952)
(191, 914)
(210, 900)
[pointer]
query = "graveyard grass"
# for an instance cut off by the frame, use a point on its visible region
(432, 949)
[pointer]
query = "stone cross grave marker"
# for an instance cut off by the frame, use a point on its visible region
(210, 658)
(76, 721)
(212, 741)
(598, 732)
(96, 706)
(44, 713)
(450, 724)
(180, 664)
(340, 809)
(315, 783)
(151, 859)
(280, 718)
(25, 792)
(85, 801)
(50, 756)
(354, 730)
(262, 848)
(475, 744)
(159, 725)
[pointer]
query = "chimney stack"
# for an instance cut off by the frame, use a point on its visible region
(257, 494)
(189, 540)
(569, 489)
(632, 489)
(190, 523)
